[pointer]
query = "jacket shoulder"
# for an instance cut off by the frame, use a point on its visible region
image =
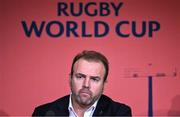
(57, 107)
(107, 107)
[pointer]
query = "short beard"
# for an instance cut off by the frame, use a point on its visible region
(82, 102)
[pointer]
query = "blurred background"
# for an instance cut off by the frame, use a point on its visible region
(34, 70)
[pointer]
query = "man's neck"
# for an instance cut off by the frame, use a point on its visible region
(78, 108)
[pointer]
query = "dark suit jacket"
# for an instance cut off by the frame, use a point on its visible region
(105, 107)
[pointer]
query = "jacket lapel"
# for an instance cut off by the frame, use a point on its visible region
(101, 107)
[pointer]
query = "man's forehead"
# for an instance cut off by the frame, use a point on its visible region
(89, 68)
(88, 61)
(83, 65)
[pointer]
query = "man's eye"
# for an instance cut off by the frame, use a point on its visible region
(79, 77)
(95, 79)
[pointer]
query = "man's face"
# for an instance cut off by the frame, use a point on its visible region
(87, 82)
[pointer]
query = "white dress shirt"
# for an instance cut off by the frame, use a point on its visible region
(88, 113)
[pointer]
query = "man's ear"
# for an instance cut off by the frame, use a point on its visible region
(105, 81)
(70, 78)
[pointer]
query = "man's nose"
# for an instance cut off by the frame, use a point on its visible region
(86, 82)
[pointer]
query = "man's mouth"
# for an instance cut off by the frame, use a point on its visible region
(85, 92)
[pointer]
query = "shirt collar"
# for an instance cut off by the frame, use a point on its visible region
(70, 107)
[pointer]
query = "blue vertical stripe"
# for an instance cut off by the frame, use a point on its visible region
(150, 97)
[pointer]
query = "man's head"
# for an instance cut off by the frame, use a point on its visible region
(92, 56)
(89, 72)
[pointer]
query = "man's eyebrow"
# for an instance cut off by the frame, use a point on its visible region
(83, 75)
(96, 77)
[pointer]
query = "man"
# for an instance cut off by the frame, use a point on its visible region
(88, 76)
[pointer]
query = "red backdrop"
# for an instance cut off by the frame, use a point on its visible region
(35, 70)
